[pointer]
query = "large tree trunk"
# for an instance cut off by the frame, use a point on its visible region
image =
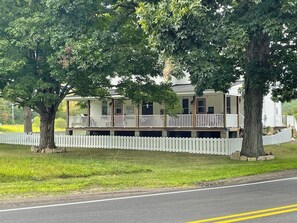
(27, 120)
(252, 145)
(256, 87)
(47, 130)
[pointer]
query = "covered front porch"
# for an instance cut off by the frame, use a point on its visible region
(211, 111)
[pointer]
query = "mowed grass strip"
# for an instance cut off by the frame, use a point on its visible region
(23, 173)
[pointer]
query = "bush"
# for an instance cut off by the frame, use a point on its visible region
(60, 123)
(36, 122)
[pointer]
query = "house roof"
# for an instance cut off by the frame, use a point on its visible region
(181, 89)
(189, 89)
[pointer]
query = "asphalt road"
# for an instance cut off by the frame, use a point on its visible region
(178, 206)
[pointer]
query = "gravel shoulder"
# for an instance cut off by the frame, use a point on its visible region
(18, 202)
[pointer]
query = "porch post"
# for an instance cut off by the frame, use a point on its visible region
(112, 112)
(137, 116)
(237, 106)
(67, 111)
(194, 110)
(165, 118)
(89, 113)
(225, 113)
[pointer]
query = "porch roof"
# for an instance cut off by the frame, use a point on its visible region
(180, 89)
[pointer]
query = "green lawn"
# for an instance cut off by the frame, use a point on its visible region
(20, 129)
(23, 173)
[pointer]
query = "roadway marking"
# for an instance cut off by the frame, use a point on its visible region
(146, 195)
(250, 215)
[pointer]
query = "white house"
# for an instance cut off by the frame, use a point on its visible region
(215, 114)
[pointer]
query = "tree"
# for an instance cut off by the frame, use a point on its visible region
(218, 42)
(49, 49)
(28, 116)
(5, 112)
(290, 108)
(285, 56)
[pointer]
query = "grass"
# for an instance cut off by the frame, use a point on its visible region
(14, 128)
(23, 173)
(20, 128)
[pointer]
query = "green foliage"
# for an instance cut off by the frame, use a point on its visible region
(290, 108)
(60, 123)
(75, 108)
(49, 49)
(36, 122)
(7, 110)
(218, 42)
(182, 30)
(148, 92)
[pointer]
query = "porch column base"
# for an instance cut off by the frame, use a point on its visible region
(193, 134)
(88, 133)
(225, 134)
(238, 134)
(136, 133)
(164, 134)
(111, 133)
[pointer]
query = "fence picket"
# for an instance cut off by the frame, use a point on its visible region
(190, 145)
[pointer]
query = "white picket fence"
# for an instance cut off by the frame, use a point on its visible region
(284, 136)
(190, 145)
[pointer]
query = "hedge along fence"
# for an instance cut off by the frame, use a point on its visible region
(190, 145)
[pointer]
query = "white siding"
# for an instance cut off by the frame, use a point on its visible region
(269, 112)
(95, 108)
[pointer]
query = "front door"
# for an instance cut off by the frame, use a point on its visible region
(185, 105)
(147, 108)
(201, 106)
(118, 108)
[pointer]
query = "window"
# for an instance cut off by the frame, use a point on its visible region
(185, 104)
(104, 108)
(228, 105)
(118, 107)
(210, 110)
(201, 105)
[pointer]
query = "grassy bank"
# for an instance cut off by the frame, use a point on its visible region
(28, 174)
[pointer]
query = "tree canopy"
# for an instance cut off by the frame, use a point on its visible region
(218, 42)
(49, 49)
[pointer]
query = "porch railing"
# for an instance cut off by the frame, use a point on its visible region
(210, 120)
(125, 121)
(100, 121)
(78, 121)
(180, 121)
(153, 121)
(231, 120)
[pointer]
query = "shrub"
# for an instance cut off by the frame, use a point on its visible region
(60, 123)
(36, 122)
